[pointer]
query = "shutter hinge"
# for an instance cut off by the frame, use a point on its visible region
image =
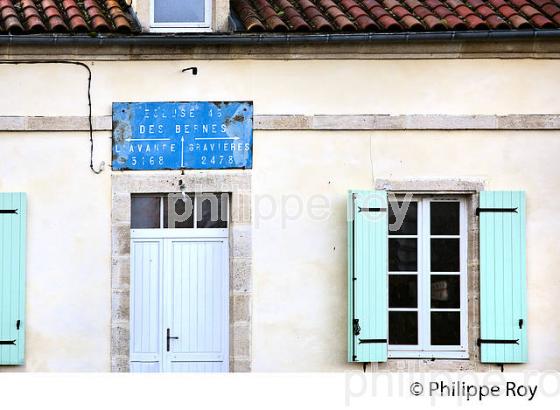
(498, 341)
(479, 210)
(356, 327)
(8, 211)
(372, 341)
(360, 209)
(8, 342)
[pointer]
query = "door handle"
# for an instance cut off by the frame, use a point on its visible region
(169, 337)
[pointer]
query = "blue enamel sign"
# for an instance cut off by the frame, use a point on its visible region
(182, 135)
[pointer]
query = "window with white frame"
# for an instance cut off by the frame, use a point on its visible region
(180, 15)
(428, 277)
(178, 210)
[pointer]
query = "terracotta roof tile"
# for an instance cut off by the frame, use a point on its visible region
(66, 16)
(293, 17)
(53, 16)
(394, 15)
(426, 15)
(9, 17)
(450, 20)
(316, 19)
(249, 16)
(342, 22)
(270, 17)
(361, 18)
(384, 19)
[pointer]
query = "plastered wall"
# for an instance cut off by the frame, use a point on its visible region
(299, 263)
(522, 86)
(68, 248)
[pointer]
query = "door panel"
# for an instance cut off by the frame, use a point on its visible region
(197, 310)
(145, 308)
(180, 284)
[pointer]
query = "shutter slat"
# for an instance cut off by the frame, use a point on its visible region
(367, 278)
(503, 293)
(12, 277)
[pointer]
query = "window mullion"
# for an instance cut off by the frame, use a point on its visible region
(425, 274)
(422, 290)
(463, 230)
(161, 213)
(419, 275)
(195, 210)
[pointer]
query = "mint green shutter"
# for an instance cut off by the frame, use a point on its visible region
(12, 277)
(503, 291)
(367, 276)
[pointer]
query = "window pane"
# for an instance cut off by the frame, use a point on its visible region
(403, 255)
(179, 11)
(403, 328)
(408, 226)
(445, 291)
(444, 218)
(444, 255)
(182, 211)
(403, 291)
(446, 328)
(145, 211)
(211, 210)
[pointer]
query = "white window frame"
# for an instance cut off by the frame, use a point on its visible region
(182, 27)
(196, 197)
(424, 349)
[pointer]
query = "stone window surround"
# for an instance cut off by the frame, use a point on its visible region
(219, 22)
(238, 185)
(469, 187)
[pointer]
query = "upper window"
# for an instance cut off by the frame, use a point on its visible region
(200, 210)
(428, 278)
(180, 15)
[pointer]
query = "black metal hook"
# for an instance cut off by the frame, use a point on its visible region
(193, 69)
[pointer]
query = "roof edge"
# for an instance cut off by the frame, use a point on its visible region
(274, 39)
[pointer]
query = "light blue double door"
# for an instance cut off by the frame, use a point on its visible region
(179, 304)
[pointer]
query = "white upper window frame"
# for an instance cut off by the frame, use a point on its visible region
(197, 196)
(182, 27)
(424, 349)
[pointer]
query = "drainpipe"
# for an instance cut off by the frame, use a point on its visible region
(240, 39)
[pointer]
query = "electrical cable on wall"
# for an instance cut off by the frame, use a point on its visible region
(78, 63)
